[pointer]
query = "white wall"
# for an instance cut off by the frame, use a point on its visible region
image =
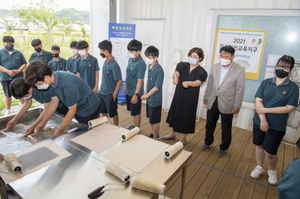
(190, 23)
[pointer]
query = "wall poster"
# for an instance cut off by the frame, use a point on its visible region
(248, 45)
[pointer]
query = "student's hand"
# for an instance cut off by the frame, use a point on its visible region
(134, 99)
(175, 81)
(1, 156)
(185, 84)
(264, 126)
(235, 110)
(11, 73)
(144, 97)
(124, 90)
(11, 123)
(39, 127)
(57, 133)
(260, 110)
(114, 95)
(17, 71)
(95, 89)
(205, 101)
(30, 130)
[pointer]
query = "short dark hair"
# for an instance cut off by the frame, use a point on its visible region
(82, 44)
(228, 49)
(152, 51)
(198, 51)
(105, 45)
(19, 88)
(36, 42)
(8, 39)
(36, 71)
(286, 61)
(73, 44)
(135, 45)
(55, 47)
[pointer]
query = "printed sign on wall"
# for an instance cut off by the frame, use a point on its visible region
(120, 35)
(248, 45)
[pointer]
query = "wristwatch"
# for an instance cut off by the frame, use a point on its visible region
(136, 94)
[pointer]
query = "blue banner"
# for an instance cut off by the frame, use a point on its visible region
(121, 30)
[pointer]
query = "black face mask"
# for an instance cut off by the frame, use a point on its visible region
(55, 55)
(280, 73)
(102, 55)
(38, 49)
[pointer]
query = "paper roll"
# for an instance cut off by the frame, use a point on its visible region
(143, 184)
(172, 150)
(97, 122)
(12, 162)
(129, 134)
(117, 171)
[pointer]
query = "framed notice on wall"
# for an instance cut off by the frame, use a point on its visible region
(248, 45)
(120, 35)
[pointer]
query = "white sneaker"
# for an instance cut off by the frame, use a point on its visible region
(272, 177)
(7, 112)
(257, 172)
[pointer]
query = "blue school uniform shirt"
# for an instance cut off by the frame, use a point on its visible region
(58, 65)
(70, 89)
(72, 64)
(155, 79)
(45, 57)
(284, 94)
(111, 74)
(42, 96)
(87, 68)
(135, 70)
(11, 61)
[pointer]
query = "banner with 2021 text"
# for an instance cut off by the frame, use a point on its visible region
(248, 45)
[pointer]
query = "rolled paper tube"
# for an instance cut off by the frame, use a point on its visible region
(97, 122)
(172, 150)
(12, 162)
(129, 134)
(143, 184)
(117, 171)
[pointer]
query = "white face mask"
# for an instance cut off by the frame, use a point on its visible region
(74, 51)
(193, 61)
(82, 52)
(131, 55)
(26, 98)
(42, 87)
(149, 61)
(224, 62)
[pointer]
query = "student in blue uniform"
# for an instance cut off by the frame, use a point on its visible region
(134, 86)
(111, 83)
(12, 64)
(275, 99)
(21, 90)
(71, 91)
(57, 63)
(40, 53)
(288, 184)
(73, 60)
(87, 67)
(153, 94)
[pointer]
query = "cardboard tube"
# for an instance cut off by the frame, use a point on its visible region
(12, 162)
(143, 184)
(131, 133)
(97, 122)
(117, 171)
(172, 150)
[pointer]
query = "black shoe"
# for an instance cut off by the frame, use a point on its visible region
(151, 135)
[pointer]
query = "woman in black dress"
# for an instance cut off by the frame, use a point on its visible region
(188, 77)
